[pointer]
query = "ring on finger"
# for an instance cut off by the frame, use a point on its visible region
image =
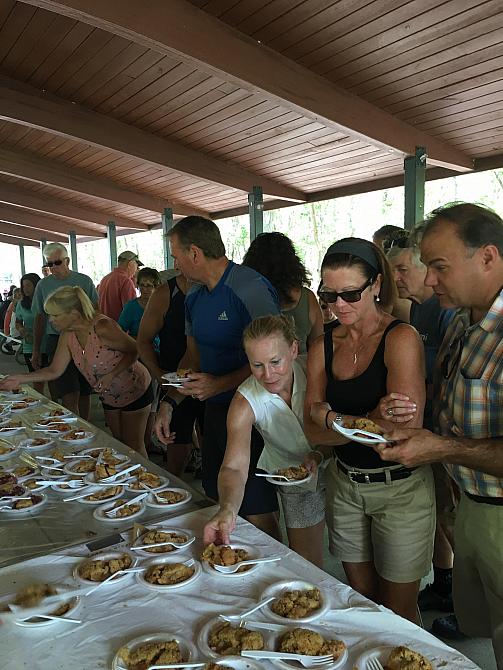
(389, 411)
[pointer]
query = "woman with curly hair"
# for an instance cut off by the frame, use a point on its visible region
(274, 256)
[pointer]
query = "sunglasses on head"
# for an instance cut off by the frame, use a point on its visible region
(348, 296)
(50, 264)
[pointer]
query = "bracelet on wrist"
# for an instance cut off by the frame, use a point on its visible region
(328, 426)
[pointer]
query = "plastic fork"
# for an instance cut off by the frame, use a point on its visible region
(232, 618)
(112, 478)
(127, 571)
(272, 474)
(374, 664)
(177, 545)
(305, 660)
(71, 483)
(230, 569)
(168, 665)
(114, 510)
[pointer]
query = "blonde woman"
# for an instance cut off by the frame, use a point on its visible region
(106, 357)
(272, 400)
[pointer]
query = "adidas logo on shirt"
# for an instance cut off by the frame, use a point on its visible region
(223, 316)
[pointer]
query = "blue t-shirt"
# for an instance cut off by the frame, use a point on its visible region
(48, 285)
(216, 319)
(130, 317)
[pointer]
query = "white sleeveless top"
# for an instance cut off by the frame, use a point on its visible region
(281, 427)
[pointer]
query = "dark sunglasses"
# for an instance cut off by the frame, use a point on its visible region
(348, 296)
(50, 264)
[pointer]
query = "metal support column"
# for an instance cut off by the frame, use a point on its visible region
(112, 244)
(42, 247)
(72, 238)
(414, 181)
(256, 212)
(21, 259)
(167, 223)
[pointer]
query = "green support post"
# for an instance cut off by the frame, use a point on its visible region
(414, 181)
(112, 243)
(167, 223)
(256, 211)
(21, 259)
(72, 238)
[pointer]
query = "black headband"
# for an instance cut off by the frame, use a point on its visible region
(355, 247)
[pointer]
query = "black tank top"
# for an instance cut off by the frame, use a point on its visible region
(172, 338)
(357, 396)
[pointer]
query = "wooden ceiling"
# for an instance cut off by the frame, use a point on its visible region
(113, 110)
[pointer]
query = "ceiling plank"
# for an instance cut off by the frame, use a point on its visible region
(28, 106)
(13, 195)
(18, 240)
(180, 29)
(30, 233)
(44, 171)
(26, 217)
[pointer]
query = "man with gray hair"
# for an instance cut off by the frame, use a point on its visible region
(71, 387)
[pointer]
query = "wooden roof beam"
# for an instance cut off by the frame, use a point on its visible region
(28, 106)
(46, 171)
(179, 29)
(27, 217)
(31, 233)
(13, 195)
(18, 240)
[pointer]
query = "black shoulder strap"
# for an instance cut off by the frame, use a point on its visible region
(329, 352)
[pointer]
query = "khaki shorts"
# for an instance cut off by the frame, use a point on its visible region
(478, 571)
(392, 525)
(446, 497)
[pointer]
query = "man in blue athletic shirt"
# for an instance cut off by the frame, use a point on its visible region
(224, 299)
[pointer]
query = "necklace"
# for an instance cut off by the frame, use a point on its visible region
(358, 350)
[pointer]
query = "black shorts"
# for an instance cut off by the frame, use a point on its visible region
(29, 364)
(71, 381)
(260, 496)
(146, 399)
(184, 416)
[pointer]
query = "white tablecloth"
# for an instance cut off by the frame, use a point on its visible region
(113, 615)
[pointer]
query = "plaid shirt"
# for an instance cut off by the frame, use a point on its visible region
(469, 389)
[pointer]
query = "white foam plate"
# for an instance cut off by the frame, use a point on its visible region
(164, 529)
(279, 588)
(205, 632)
(325, 632)
(38, 622)
(188, 651)
(252, 553)
(8, 432)
(28, 444)
(99, 513)
(162, 560)
(19, 410)
(373, 438)
(291, 482)
(53, 426)
(36, 489)
(173, 378)
(238, 663)
(65, 416)
(21, 478)
(87, 437)
(13, 451)
(69, 468)
(105, 555)
(152, 500)
(67, 492)
(162, 485)
(117, 454)
(26, 511)
(82, 501)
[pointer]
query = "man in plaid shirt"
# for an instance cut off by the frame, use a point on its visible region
(462, 247)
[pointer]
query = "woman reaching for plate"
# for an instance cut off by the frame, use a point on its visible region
(380, 515)
(272, 400)
(107, 358)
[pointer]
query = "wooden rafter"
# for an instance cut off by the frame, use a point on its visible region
(27, 217)
(13, 195)
(6, 239)
(31, 233)
(179, 29)
(28, 106)
(47, 171)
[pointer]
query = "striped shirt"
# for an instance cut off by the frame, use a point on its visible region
(469, 390)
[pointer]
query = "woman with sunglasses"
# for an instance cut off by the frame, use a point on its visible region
(380, 515)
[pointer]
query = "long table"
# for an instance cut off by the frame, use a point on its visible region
(60, 524)
(113, 615)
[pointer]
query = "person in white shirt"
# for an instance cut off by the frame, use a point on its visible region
(272, 400)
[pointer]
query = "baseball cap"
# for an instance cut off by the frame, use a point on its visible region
(129, 256)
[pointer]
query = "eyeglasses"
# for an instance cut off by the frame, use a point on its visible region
(348, 296)
(50, 264)
(453, 356)
(146, 285)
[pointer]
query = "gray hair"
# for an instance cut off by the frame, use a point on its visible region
(415, 254)
(52, 247)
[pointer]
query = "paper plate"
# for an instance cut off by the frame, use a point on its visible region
(280, 588)
(152, 500)
(105, 556)
(99, 512)
(187, 649)
(325, 632)
(165, 588)
(252, 553)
